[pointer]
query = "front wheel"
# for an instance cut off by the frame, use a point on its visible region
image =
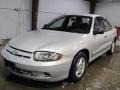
(111, 51)
(78, 67)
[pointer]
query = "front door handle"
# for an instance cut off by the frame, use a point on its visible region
(105, 36)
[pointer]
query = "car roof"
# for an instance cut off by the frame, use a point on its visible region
(90, 15)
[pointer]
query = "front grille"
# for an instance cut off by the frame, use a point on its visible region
(12, 66)
(9, 64)
(18, 54)
(20, 50)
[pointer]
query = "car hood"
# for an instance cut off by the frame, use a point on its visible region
(41, 39)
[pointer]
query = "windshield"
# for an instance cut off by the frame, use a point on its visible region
(75, 24)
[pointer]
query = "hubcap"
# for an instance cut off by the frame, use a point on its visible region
(113, 47)
(80, 67)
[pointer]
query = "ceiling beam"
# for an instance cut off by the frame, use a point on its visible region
(92, 6)
(35, 7)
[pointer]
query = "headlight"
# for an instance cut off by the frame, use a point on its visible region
(46, 56)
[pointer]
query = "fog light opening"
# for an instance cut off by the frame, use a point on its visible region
(47, 74)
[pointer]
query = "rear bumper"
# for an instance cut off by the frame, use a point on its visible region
(41, 71)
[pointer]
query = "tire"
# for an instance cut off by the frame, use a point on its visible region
(111, 51)
(78, 67)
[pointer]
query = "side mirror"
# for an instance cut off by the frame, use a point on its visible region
(97, 31)
(45, 26)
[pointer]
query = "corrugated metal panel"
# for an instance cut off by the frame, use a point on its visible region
(49, 10)
(15, 17)
(109, 10)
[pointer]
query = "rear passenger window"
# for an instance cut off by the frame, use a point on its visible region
(99, 24)
(111, 27)
(106, 24)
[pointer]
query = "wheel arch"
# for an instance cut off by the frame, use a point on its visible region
(86, 51)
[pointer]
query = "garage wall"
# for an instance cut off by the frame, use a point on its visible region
(15, 17)
(49, 9)
(110, 10)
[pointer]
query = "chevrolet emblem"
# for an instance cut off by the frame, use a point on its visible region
(15, 52)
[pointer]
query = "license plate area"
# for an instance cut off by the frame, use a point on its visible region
(12, 66)
(9, 64)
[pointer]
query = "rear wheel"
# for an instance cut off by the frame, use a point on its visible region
(78, 67)
(111, 51)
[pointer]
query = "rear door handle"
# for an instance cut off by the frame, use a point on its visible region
(114, 33)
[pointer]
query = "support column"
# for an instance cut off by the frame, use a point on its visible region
(35, 7)
(92, 6)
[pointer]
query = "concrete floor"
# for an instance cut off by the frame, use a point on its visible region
(102, 74)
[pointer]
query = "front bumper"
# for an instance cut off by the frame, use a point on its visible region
(41, 71)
